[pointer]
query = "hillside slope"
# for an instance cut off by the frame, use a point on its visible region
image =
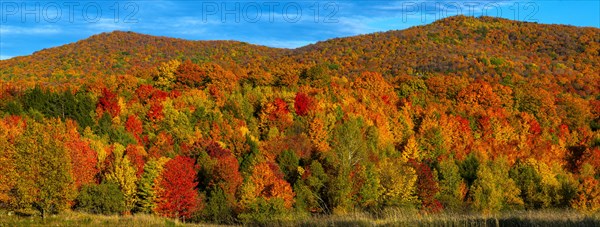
(126, 52)
(466, 115)
(466, 46)
(457, 46)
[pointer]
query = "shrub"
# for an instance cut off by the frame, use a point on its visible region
(218, 208)
(263, 212)
(105, 198)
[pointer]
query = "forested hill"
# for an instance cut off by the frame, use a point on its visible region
(127, 52)
(457, 45)
(464, 46)
(462, 115)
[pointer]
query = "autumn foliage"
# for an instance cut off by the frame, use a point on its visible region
(302, 103)
(109, 103)
(177, 196)
(462, 115)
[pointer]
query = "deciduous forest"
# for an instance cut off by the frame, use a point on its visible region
(463, 115)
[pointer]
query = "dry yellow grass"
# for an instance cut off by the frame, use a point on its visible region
(387, 218)
(71, 218)
(414, 218)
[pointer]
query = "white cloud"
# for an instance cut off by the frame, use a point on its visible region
(415, 9)
(107, 24)
(399, 6)
(15, 30)
(286, 43)
(354, 26)
(4, 57)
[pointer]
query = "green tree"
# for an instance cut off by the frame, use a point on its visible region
(309, 190)
(468, 169)
(288, 162)
(368, 192)
(116, 134)
(451, 184)
(218, 209)
(317, 75)
(350, 149)
(265, 212)
(105, 198)
(146, 186)
(43, 164)
(536, 192)
(78, 106)
(494, 190)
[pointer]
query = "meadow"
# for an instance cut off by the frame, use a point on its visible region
(388, 218)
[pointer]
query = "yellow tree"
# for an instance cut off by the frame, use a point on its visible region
(123, 174)
(10, 129)
(44, 167)
(397, 181)
(166, 74)
(412, 150)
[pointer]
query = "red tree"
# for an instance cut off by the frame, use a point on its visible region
(427, 187)
(134, 126)
(147, 93)
(137, 157)
(463, 124)
(281, 108)
(534, 127)
(225, 173)
(84, 159)
(156, 112)
(189, 74)
(302, 103)
(144, 92)
(159, 95)
(109, 102)
(216, 151)
(177, 195)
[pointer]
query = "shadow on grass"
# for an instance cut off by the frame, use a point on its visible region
(515, 218)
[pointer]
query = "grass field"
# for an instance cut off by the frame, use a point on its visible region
(83, 219)
(515, 218)
(392, 218)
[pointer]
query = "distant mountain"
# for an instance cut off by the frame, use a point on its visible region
(462, 44)
(120, 52)
(457, 45)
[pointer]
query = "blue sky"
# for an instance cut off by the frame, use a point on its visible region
(29, 26)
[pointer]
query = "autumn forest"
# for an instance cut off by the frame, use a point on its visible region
(462, 115)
